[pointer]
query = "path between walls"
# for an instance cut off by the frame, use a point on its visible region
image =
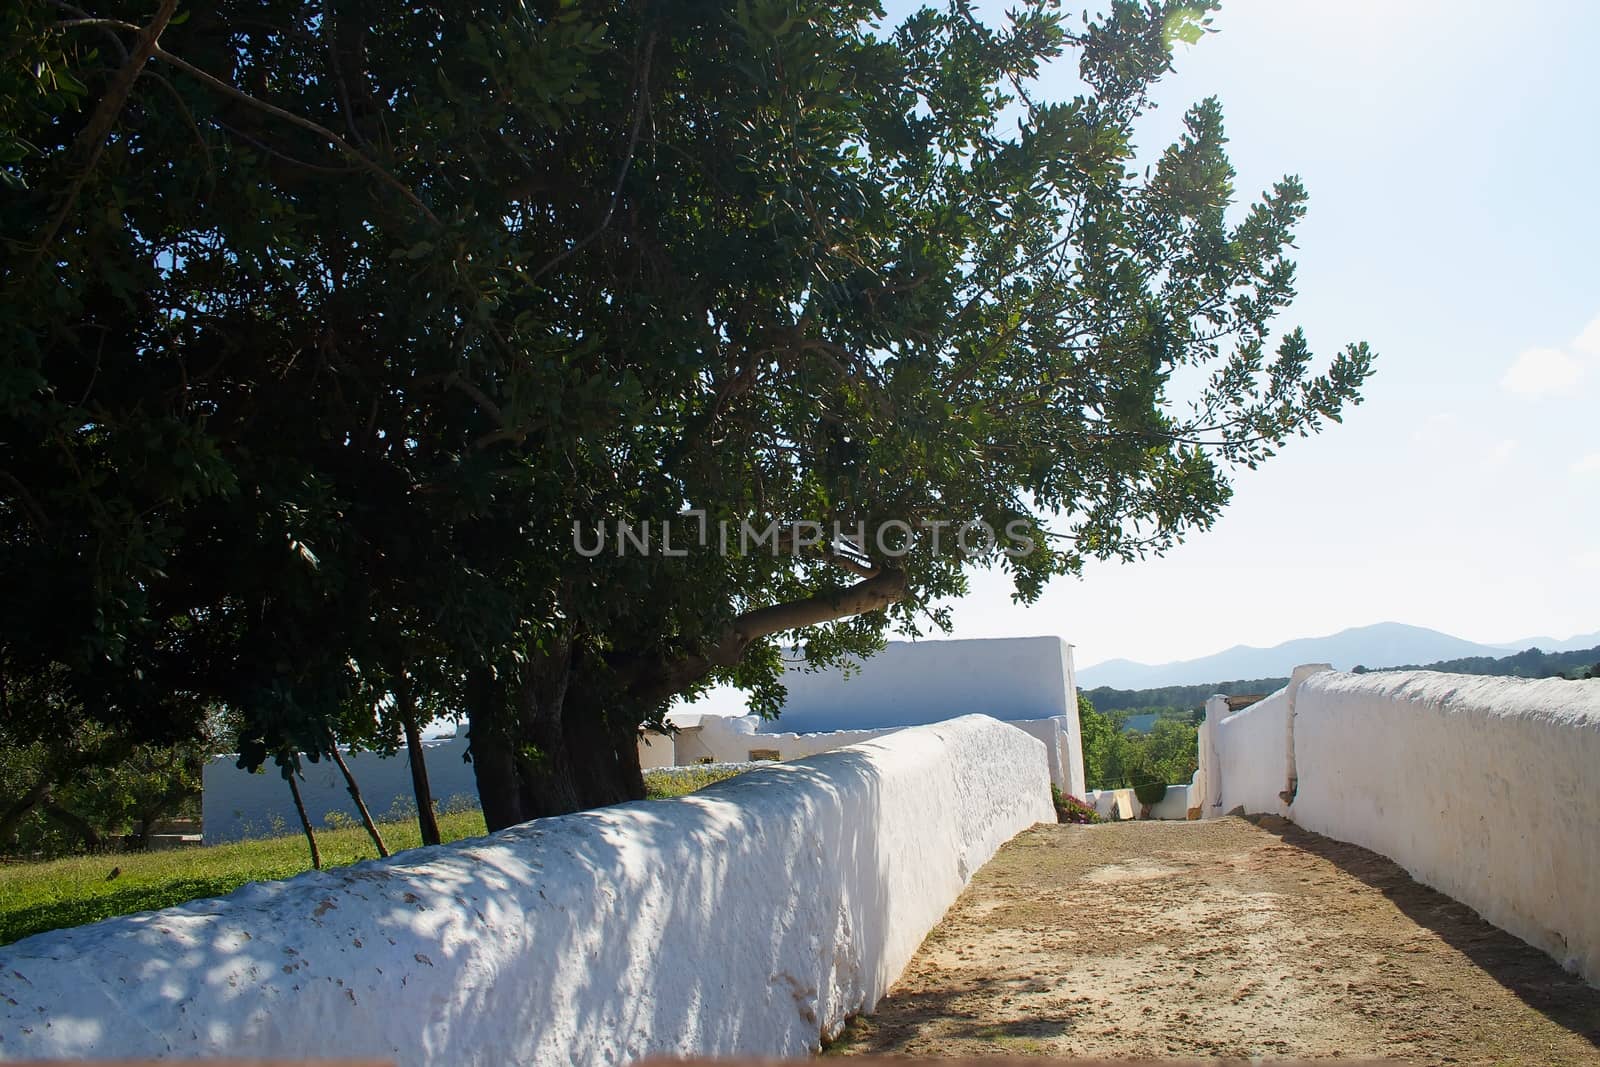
(1223, 938)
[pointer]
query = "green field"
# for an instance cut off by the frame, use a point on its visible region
(35, 897)
(48, 895)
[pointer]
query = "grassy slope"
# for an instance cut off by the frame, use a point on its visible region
(678, 781)
(35, 897)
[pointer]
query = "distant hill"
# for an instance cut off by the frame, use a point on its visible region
(1384, 644)
(1551, 644)
(1530, 663)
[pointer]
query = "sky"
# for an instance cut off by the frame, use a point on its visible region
(1452, 155)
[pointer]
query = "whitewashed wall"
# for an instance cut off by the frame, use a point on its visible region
(1487, 789)
(235, 804)
(750, 918)
(734, 739)
(1253, 751)
(1119, 804)
(1016, 679)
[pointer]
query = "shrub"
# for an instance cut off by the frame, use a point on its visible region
(1070, 809)
(1150, 793)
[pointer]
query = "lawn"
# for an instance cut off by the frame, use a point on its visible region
(35, 897)
(48, 895)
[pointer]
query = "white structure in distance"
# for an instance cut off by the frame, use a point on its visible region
(1026, 681)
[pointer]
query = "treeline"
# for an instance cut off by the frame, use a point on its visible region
(1529, 663)
(1114, 758)
(1188, 697)
(1172, 699)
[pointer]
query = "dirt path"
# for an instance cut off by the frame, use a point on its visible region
(1223, 939)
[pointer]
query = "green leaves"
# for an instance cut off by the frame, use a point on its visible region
(272, 438)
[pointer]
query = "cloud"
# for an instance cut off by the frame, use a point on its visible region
(1499, 456)
(1588, 341)
(1589, 464)
(1435, 429)
(1537, 371)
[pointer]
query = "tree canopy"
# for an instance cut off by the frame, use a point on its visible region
(334, 324)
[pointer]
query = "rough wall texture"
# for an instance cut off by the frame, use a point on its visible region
(1484, 788)
(749, 918)
(235, 804)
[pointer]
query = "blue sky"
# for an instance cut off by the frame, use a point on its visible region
(1452, 155)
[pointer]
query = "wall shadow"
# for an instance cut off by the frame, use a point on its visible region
(1530, 975)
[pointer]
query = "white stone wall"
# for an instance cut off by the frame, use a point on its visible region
(750, 918)
(1253, 751)
(733, 739)
(1119, 804)
(913, 682)
(235, 804)
(1484, 788)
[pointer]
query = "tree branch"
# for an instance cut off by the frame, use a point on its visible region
(91, 140)
(326, 134)
(870, 594)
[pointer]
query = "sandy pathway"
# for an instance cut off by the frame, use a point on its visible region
(1223, 939)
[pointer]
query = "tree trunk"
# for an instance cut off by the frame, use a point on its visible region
(355, 797)
(491, 746)
(427, 822)
(18, 810)
(305, 822)
(551, 748)
(75, 823)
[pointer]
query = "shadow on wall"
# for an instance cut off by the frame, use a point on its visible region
(752, 917)
(1529, 974)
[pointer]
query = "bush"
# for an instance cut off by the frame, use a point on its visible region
(1070, 809)
(1150, 793)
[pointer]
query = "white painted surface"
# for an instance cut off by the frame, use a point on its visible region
(729, 739)
(913, 682)
(1252, 754)
(235, 804)
(1119, 804)
(749, 918)
(1484, 788)
(656, 750)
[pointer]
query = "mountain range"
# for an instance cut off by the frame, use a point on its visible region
(1384, 644)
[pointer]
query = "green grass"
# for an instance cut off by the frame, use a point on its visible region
(677, 781)
(52, 894)
(49, 895)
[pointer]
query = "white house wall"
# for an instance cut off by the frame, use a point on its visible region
(750, 918)
(913, 682)
(735, 739)
(235, 804)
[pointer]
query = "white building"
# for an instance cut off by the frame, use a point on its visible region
(1027, 681)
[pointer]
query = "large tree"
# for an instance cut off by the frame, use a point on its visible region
(333, 321)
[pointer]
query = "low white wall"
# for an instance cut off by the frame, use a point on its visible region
(236, 804)
(734, 739)
(1484, 788)
(749, 918)
(1252, 753)
(1119, 804)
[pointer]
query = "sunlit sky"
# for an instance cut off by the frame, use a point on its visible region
(1452, 155)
